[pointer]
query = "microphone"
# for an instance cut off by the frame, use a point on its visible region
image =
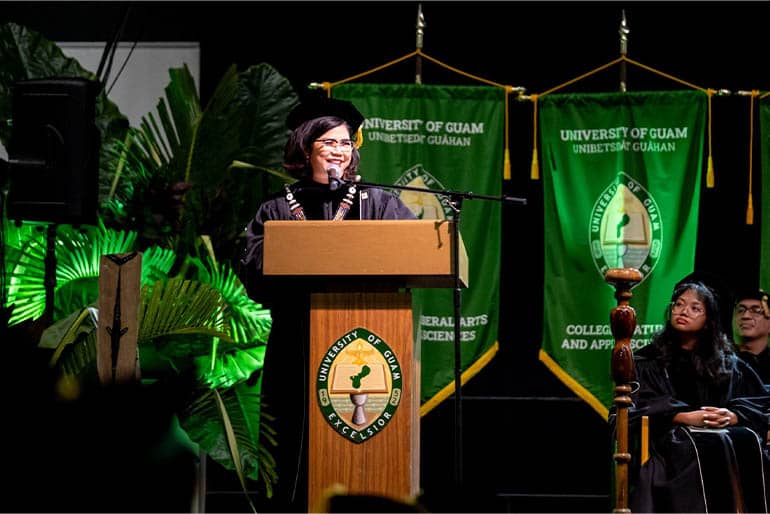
(335, 177)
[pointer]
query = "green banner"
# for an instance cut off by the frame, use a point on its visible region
(764, 210)
(443, 138)
(621, 189)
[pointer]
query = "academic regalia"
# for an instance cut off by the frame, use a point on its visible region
(759, 362)
(285, 371)
(699, 469)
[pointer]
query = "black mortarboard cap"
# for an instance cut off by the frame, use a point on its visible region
(754, 294)
(749, 293)
(323, 106)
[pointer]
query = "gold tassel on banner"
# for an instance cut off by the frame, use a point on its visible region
(750, 211)
(750, 206)
(710, 168)
(506, 152)
(534, 173)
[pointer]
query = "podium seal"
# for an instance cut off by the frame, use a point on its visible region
(358, 385)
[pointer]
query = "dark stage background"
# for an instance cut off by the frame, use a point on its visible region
(530, 445)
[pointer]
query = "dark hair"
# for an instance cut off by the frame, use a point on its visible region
(296, 154)
(713, 351)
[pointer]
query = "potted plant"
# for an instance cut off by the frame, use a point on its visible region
(180, 189)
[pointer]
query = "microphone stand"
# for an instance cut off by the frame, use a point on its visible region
(455, 203)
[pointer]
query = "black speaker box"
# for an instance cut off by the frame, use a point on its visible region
(53, 152)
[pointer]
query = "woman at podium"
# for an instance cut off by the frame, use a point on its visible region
(322, 153)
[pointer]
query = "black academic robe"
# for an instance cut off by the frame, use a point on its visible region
(697, 469)
(759, 363)
(285, 370)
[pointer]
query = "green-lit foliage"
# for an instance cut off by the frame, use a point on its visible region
(77, 268)
(241, 402)
(176, 177)
(185, 172)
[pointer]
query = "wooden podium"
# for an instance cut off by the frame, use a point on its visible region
(364, 396)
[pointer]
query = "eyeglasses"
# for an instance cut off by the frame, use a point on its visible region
(344, 145)
(754, 310)
(680, 306)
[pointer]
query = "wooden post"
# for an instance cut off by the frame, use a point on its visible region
(116, 341)
(623, 324)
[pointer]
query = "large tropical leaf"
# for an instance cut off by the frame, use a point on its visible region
(73, 341)
(240, 406)
(181, 146)
(246, 119)
(252, 431)
(145, 195)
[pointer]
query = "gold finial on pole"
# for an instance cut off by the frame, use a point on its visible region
(420, 34)
(623, 31)
(623, 324)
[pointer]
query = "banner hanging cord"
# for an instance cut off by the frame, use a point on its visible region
(327, 86)
(534, 173)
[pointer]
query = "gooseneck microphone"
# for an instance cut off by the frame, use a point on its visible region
(335, 177)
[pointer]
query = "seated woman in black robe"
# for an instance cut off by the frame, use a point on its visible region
(708, 415)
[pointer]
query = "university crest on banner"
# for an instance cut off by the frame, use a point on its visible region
(621, 189)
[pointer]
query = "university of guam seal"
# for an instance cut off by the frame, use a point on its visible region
(425, 206)
(625, 229)
(358, 385)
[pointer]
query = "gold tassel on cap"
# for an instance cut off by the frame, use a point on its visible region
(507, 165)
(710, 173)
(534, 173)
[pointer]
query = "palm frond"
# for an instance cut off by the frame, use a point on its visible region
(157, 263)
(227, 367)
(249, 322)
(179, 306)
(78, 253)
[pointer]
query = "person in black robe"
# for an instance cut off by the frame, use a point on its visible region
(751, 318)
(708, 415)
(323, 155)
